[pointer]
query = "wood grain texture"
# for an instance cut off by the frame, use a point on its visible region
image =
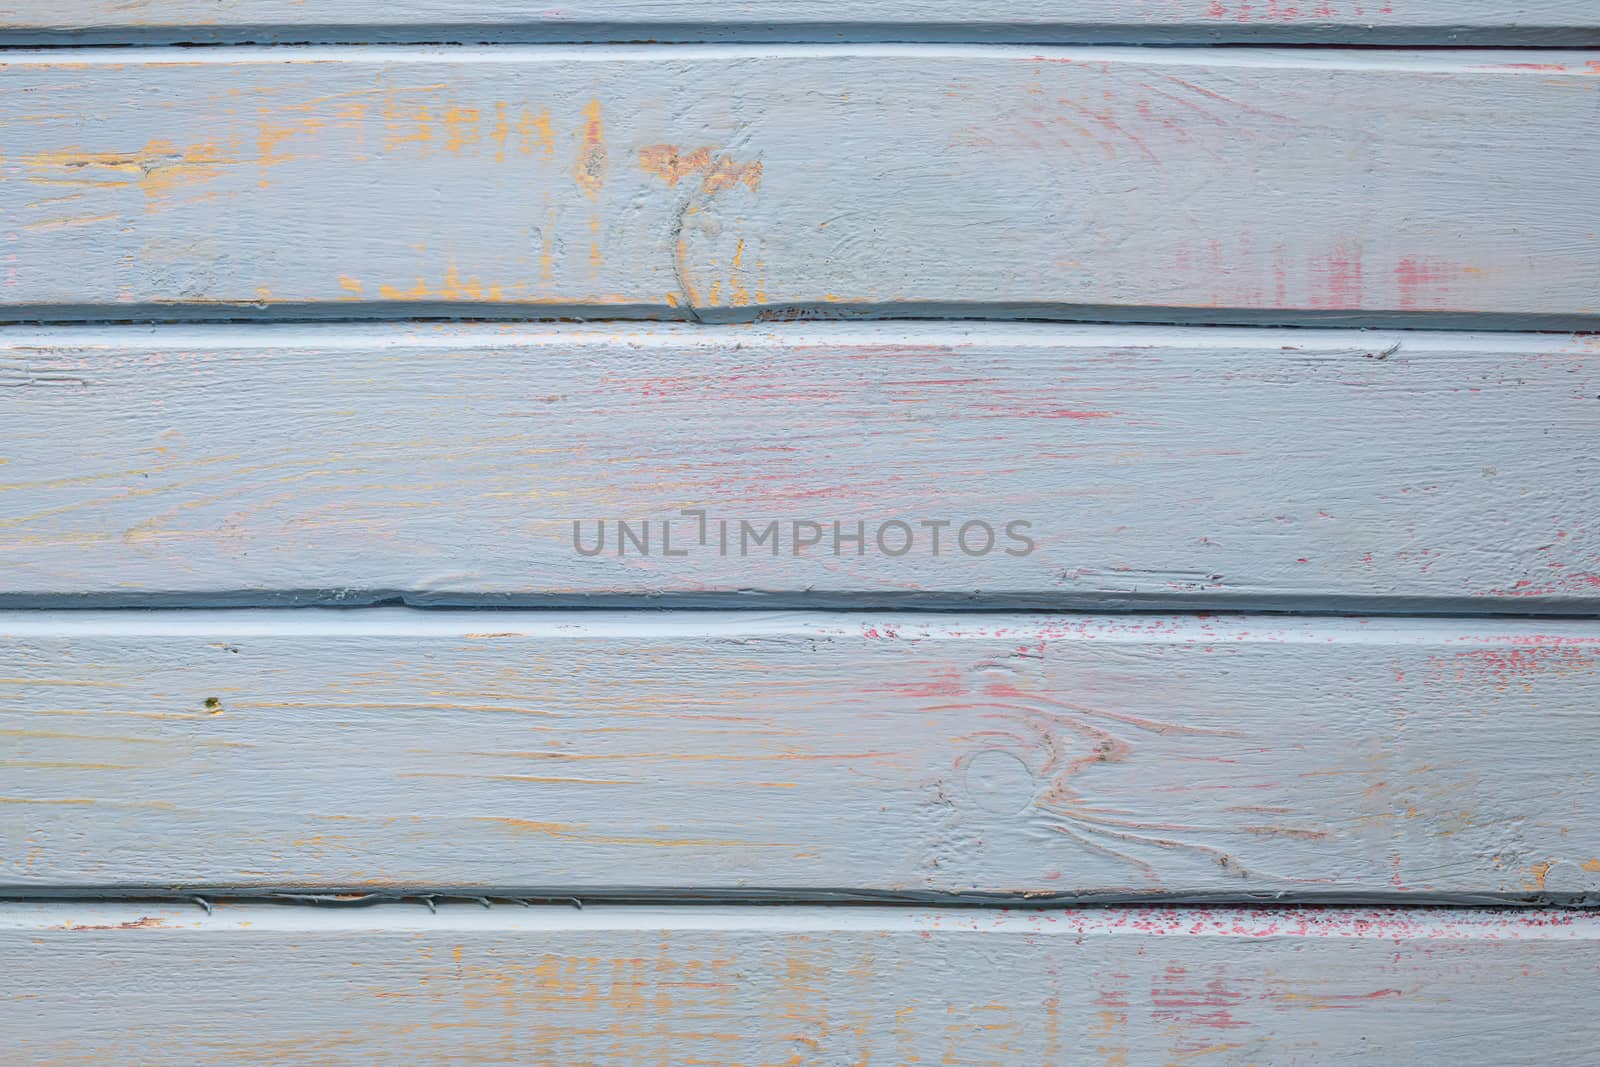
(1560, 22)
(1165, 184)
(447, 465)
(728, 986)
(993, 754)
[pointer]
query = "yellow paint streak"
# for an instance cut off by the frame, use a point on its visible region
(725, 174)
(69, 223)
(1108, 1030)
(738, 295)
(453, 287)
(461, 128)
(270, 137)
(70, 801)
(589, 171)
(56, 735)
(408, 123)
(91, 183)
(68, 198)
(546, 132)
(456, 286)
(672, 164)
(159, 168)
(527, 130)
(501, 132)
(1540, 872)
(322, 841)
(667, 162)
(146, 923)
(554, 829)
(121, 162)
(1208, 1050)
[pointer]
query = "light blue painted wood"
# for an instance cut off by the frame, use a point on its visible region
(1169, 184)
(1367, 471)
(729, 986)
(842, 756)
(709, 753)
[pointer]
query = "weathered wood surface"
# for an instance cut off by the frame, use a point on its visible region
(731, 986)
(914, 754)
(1173, 184)
(1177, 466)
(1560, 22)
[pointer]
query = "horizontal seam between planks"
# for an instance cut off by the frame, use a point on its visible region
(1325, 36)
(206, 897)
(534, 335)
(1262, 56)
(1061, 314)
(844, 602)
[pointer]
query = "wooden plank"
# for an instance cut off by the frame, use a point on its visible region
(921, 754)
(1558, 22)
(730, 986)
(1166, 184)
(448, 465)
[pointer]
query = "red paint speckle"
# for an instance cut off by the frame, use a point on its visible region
(1424, 283)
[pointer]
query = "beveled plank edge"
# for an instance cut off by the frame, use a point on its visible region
(1065, 313)
(1499, 60)
(989, 602)
(1245, 921)
(207, 897)
(483, 329)
(1332, 34)
(1172, 627)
